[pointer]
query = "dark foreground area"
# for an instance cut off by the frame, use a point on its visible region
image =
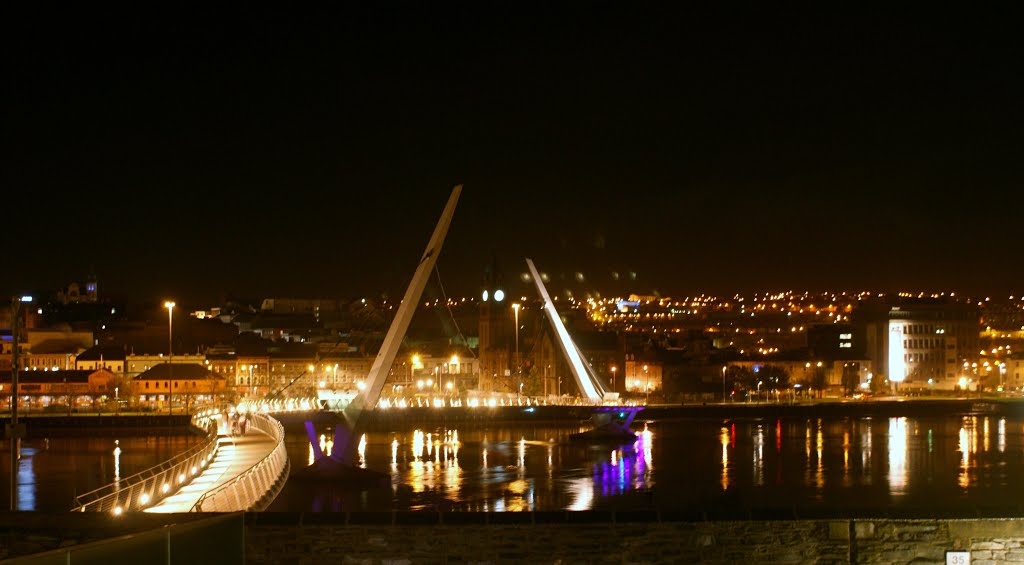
(560, 537)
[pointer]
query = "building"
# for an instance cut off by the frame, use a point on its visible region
(289, 364)
(447, 369)
(79, 293)
(109, 357)
(72, 388)
(923, 344)
(815, 376)
(185, 385)
(497, 335)
(135, 365)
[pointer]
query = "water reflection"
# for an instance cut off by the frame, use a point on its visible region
(844, 461)
(897, 455)
(27, 479)
(117, 461)
(759, 456)
(967, 445)
(724, 438)
(53, 471)
(846, 458)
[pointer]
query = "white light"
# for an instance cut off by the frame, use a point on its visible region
(165, 488)
(117, 511)
(485, 295)
(897, 364)
(499, 295)
(144, 498)
(26, 298)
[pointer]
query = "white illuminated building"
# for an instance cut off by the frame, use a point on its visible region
(923, 345)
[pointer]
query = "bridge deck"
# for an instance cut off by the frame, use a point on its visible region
(235, 455)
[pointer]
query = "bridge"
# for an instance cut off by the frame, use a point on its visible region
(225, 472)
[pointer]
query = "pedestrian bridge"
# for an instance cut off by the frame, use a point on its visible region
(224, 473)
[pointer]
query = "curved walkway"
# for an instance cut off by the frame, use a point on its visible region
(235, 455)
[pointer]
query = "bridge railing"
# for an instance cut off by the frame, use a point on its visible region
(256, 487)
(146, 488)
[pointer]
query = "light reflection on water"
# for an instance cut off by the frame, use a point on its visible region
(53, 471)
(843, 462)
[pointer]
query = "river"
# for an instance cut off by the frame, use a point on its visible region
(957, 463)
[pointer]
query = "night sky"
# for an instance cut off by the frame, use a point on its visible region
(208, 154)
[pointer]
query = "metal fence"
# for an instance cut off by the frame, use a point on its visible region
(256, 487)
(144, 489)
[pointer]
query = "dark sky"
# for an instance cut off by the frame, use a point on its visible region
(202, 153)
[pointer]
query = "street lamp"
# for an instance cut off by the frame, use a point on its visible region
(614, 368)
(515, 308)
(170, 353)
(724, 367)
(16, 430)
(647, 387)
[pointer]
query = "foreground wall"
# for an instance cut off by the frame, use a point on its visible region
(596, 537)
(512, 537)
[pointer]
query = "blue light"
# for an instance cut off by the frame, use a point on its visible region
(530, 409)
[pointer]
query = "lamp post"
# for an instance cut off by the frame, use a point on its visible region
(515, 308)
(724, 367)
(170, 354)
(14, 429)
(614, 368)
(647, 387)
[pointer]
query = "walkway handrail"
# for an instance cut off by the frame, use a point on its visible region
(256, 487)
(145, 488)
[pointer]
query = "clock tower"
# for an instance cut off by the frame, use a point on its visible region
(495, 333)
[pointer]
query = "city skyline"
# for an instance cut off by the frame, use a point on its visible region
(309, 156)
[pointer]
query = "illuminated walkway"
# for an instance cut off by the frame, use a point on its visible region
(234, 456)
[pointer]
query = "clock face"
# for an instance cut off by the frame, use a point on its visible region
(499, 295)
(485, 296)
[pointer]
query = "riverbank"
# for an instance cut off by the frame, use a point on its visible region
(43, 425)
(38, 425)
(404, 418)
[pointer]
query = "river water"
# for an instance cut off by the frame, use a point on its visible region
(920, 463)
(53, 471)
(958, 463)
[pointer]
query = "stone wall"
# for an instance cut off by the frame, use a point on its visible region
(598, 537)
(542, 537)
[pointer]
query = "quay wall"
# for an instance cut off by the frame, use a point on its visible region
(396, 419)
(38, 425)
(549, 537)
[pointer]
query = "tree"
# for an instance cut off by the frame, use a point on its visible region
(773, 377)
(851, 378)
(818, 380)
(532, 383)
(740, 379)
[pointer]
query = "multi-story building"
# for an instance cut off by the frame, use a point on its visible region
(290, 364)
(922, 344)
(111, 358)
(135, 365)
(72, 387)
(186, 386)
(497, 331)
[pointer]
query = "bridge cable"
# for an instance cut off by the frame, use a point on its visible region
(451, 314)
